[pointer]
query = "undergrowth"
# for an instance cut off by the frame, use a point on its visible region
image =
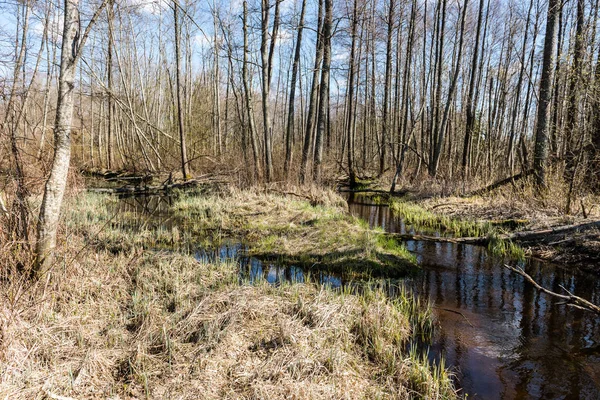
(120, 321)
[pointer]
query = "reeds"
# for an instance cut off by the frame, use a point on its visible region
(117, 321)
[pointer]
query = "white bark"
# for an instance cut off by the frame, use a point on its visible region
(56, 183)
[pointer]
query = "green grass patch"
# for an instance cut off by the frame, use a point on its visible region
(422, 219)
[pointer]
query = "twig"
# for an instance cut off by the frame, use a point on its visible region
(569, 299)
(56, 396)
(456, 312)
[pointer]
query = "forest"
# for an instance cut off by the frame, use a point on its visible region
(299, 199)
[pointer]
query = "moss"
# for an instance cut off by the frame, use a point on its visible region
(297, 232)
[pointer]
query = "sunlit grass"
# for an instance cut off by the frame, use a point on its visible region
(139, 323)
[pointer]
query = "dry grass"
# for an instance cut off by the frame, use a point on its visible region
(309, 229)
(519, 202)
(161, 325)
(147, 324)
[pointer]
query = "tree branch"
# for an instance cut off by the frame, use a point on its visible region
(569, 299)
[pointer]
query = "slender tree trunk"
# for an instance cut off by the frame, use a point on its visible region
(216, 94)
(350, 125)
(324, 95)
(266, 53)
(435, 132)
(111, 102)
(403, 123)
(387, 86)
(314, 99)
(573, 94)
(513, 120)
(185, 169)
(471, 104)
(289, 136)
(437, 151)
(540, 157)
(248, 96)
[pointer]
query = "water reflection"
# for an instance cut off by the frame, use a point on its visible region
(254, 270)
(143, 212)
(502, 338)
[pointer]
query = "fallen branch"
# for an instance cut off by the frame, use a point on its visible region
(544, 235)
(375, 191)
(569, 299)
(479, 240)
(539, 236)
(499, 183)
(138, 190)
(455, 312)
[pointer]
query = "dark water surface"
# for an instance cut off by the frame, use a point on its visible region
(502, 337)
(499, 335)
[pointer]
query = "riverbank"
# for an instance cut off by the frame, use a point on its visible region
(125, 314)
(510, 210)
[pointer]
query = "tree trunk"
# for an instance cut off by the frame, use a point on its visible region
(324, 95)
(470, 124)
(185, 169)
(248, 97)
(290, 121)
(387, 87)
(55, 185)
(540, 157)
(350, 124)
(312, 106)
(111, 102)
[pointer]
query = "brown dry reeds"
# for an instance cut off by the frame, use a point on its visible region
(147, 324)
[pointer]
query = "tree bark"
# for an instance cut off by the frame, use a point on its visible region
(291, 106)
(185, 169)
(55, 185)
(540, 157)
(248, 97)
(314, 99)
(324, 95)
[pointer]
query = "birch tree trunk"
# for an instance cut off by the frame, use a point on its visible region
(54, 189)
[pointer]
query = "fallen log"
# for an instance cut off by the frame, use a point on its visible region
(374, 191)
(547, 236)
(480, 240)
(500, 183)
(140, 190)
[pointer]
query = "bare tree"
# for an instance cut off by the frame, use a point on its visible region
(540, 157)
(72, 44)
(291, 103)
(324, 91)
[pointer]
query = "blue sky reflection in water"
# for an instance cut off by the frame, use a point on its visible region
(501, 337)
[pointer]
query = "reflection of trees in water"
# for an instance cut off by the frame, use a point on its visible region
(523, 343)
(151, 211)
(537, 348)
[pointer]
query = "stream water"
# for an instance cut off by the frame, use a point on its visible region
(501, 337)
